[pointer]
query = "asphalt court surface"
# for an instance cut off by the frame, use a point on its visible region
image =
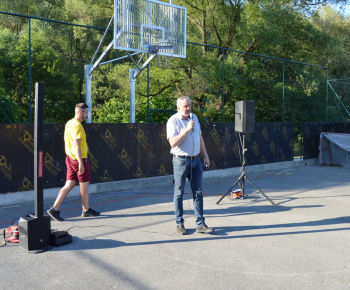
(301, 242)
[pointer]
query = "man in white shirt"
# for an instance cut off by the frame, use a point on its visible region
(186, 141)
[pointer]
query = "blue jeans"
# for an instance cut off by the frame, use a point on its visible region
(193, 171)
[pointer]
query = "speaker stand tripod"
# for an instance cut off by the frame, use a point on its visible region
(244, 177)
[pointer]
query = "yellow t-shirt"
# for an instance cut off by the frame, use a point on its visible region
(75, 130)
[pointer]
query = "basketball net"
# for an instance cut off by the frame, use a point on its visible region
(164, 61)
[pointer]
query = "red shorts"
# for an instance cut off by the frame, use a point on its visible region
(73, 170)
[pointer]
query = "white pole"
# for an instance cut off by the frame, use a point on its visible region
(88, 90)
(132, 82)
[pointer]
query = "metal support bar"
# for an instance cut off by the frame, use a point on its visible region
(136, 63)
(92, 68)
(30, 70)
(132, 83)
(103, 37)
(88, 78)
(38, 149)
(339, 99)
(136, 73)
(125, 56)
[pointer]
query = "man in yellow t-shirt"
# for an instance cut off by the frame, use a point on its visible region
(78, 167)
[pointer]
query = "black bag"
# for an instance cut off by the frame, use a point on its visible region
(60, 238)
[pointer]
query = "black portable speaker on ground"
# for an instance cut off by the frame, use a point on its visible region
(245, 116)
(34, 233)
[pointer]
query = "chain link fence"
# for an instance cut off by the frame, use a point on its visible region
(54, 52)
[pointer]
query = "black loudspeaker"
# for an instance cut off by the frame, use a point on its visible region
(34, 233)
(245, 116)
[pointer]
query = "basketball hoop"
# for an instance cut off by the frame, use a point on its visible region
(138, 25)
(163, 59)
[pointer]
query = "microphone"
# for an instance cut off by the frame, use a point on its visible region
(191, 116)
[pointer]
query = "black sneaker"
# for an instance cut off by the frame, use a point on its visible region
(204, 229)
(180, 228)
(90, 212)
(55, 214)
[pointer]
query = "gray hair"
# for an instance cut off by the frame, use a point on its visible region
(182, 98)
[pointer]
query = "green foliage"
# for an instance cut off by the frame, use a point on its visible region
(45, 67)
(7, 109)
(111, 94)
(214, 78)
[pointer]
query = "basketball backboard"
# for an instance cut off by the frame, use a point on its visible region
(140, 25)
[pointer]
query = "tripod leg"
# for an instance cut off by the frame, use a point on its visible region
(229, 190)
(260, 191)
(242, 184)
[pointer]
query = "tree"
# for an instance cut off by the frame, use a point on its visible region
(337, 53)
(7, 109)
(226, 66)
(213, 22)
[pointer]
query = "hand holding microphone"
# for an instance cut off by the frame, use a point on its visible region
(191, 123)
(206, 161)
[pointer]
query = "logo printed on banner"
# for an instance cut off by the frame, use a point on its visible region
(49, 164)
(265, 134)
(5, 169)
(11, 126)
(213, 165)
(27, 141)
(291, 145)
(162, 136)
(228, 136)
(26, 185)
(255, 149)
(141, 137)
(216, 137)
(236, 150)
(125, 158)
(93, 162)
(285, 132)
(58, 128)
(109, 139)
(96, 127)
(139, 173)
(131, 126)
(162, 170)
(273, 148)
(283, 157)
(248, 137)
(106, 177)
